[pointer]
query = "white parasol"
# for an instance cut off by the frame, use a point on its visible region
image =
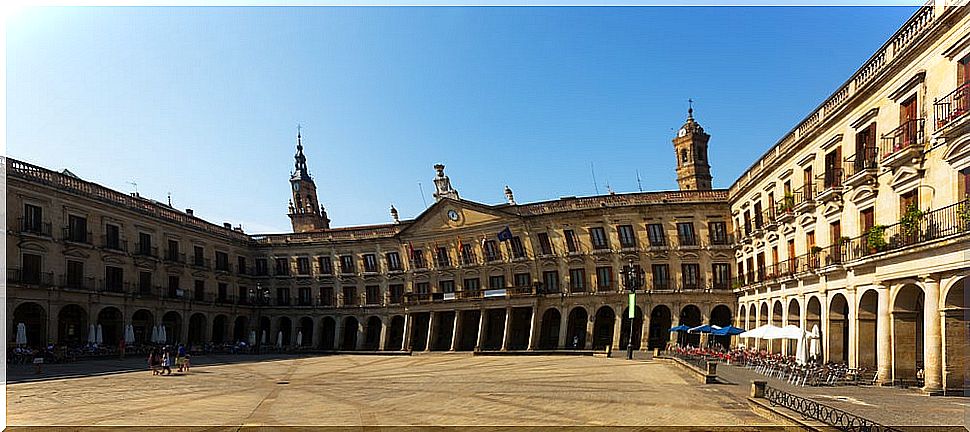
(801, 354)
(815, 338)
(252, 337)
(299, 338)
(162, 334)
(99, 338)
(279, 339)
(262, 339)
(21, 334)
(92, 334)
(154, 334)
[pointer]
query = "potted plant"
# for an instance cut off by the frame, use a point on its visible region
(787, 203)
(963, 212)
(816, 249)
(876, 238)
(910, 221)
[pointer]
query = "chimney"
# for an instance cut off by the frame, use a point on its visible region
(227, 225)
(189, 212)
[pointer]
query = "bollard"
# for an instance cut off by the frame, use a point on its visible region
(656, 352)
(758, 389)
(711, 376)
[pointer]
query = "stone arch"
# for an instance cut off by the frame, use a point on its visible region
(743, 317)
(197, 328)
(112, 323)
(72, 325)
(372, 333)
(328, 329)
(690, 316)
(172, 321)
(838, 340)
(220, 325)
(349, 331)
(660, 323)
(576, 328)
(813, 317)
(395, 334)
(142, 321)
(549, 329)
(908, 333)
(794, 317)
(867, 322)
(240, 329)
(637, 327)
(284, 331)
(603, 327)
(956, 336)
(721, 316)
(305, 332)
(777, 311)
(263, 336)
(34, 317)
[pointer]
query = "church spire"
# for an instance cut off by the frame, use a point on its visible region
(690, 149)
(305, 212)
(300, 171)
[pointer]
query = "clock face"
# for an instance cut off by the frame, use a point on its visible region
(296, 186)
(453, 215)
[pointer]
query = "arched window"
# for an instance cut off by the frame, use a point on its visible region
(683, 155)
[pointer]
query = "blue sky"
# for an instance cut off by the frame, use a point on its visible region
(204, 102)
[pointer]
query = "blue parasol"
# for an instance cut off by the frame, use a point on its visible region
(728, 331)
(680, 328)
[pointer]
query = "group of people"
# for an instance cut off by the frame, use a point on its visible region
(160, 361)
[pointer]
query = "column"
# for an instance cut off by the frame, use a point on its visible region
(852, 357)
(563, 330)
(617, 328)
(645, 330)
(430, 338)
(932, 337)
(406, 340)
(505, 333)
(361, 336)
(533, 330)
(884, 347)
(481, 329)
(589, 332)
(454, 330)
(338, 333)
(784, 322)
(383, 340)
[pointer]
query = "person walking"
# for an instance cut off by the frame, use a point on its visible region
(180, 358)
(166, 362)
(154, 361)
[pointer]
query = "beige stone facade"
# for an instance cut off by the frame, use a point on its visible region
(857, 220)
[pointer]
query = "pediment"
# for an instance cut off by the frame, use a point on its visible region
(862, 195)
(448, 215)
(771, 236)
(739, 253)
(958, 153)
(688, 255)
(720, 254)
(806, 220)
(34, 246)
(832, 209)
(747, 249)
(788, 229)
(904, 179)
(74, 252)
(114, 259)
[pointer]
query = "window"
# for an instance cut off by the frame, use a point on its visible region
(75, 274)
(491, 251)
(222, 262)
(33, 219)
(241, 265)
(397, 293)
(31, 268)
(372, 294)
(393, 261)
(718, 233)
(347, 264)
(690, 276)
(761, 266)
(114, 279)
(199, 291)
(447, 286)
(774, 261)
(417, 257)
(112, 237)
(661, 276)
(597, 237)
(517, 250)
(441, 257)
(422, 287)
(261, 267)
(174, 291)
(522, 279)
(906, 200)
(545, 247)
(722, 275)
(172, 253)
(283, 296)
(808, 178)
(577, 280)
(747, 223)
(282, 267)
(908, 116)
(327, 297)
(471, 285)
(467, 254)
(325, 265)
(302, 265)
(604, 279)
(963, 187)
(758, 216)
(223, 291)
(496, 282)
(304, 298)
(144, 282)
(791, 256)
(655, 234)
(571, 245)
(685, 234)
(867, 219)
(77, 229)
(550, 281)
(865, 149)
(198, 258)
(627, 237)
(243, 295)
(350, 296)
(771, 207)
(809, 240)
(370, 263)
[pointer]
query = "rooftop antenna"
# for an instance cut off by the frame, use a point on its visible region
(421, 188)
(134, 185)
(639, 186)
(593, 172)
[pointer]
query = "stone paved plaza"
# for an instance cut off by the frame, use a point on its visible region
(386, 390)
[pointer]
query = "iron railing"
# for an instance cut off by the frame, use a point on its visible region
(830, 179)
(908, 135)
(115, 243)
(861, 162)
(146, 250)
(35, 226)
(76, 236)
(951, 107)
(808, 408)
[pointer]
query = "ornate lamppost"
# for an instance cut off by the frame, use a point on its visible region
(260, 297)
(632, 280)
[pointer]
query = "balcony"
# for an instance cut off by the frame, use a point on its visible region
(174, 256)
(661, 285)
(147, 292)
(225, 268)
(831, 185)
(327, 301)
(688, 242)
(77, 236)
(861, 168)
(113, 286)
(723, 241)
(785, 213)
(77, 283)
(951, 220)
(903, 145)
(803, 199)
(304, 301)
(224, 300)
(146, 250)
(34, 227)
(17, 275)
(201, 262)
(950, 112)
(114, 244)
(691, 285)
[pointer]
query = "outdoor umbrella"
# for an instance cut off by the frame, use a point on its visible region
(791, 331)
(162, 334)
(680, 328)
(299, 338)
(727, 331)
(801, 355)
(815, 337)
(21, 334)
(252, 337)
(262, 339)
(279, 339)
(130, 336)
(99, 338)
(92, 334)
(154, 334)
(706, 328)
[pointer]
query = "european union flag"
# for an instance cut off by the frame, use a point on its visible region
(505, 234)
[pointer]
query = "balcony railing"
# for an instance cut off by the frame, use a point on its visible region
(908, 136)
(861, 162)
(31, 278)
(113, 286)
(661, 285)
(34, 227)
(327, 300)
(77, 283)
(723, 240)
(77, 236)
(174, 256)
(146, 250)
(201, 262)
(115, 244)
(951, 107)
(831, 179)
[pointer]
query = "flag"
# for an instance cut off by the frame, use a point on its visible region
(505, 234)
(410, 249)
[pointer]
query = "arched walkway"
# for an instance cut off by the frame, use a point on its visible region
(776, 313)
(549, 329)
(721, 317)
(305, 333)
(690, 316)
(794, 318)
(866, 324)
(34, 318)
(907, 318)
(838, 329)
(72, 325)
(956, 338)
(576, 328)
(349, 331)
(660, 323)
(637, 327)
(142, 321)
(197, 328)
(285, 331)
(240, 329)
(172, 321)
(263, 336)
(220, 325)
(395, 334)
(328, 328)
(603, 328)
(372, 334)
(813, 320)
(112, 325)
(762, 320)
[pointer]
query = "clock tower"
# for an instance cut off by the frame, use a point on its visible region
(306, 213)
(690, 147)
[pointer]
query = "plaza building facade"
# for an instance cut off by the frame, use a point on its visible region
(857, 221)
(460, 276)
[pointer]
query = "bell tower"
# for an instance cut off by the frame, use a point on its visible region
(690, 148)
(305, 212)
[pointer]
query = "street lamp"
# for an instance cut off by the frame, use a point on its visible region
(260, 297)
(632, 281)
